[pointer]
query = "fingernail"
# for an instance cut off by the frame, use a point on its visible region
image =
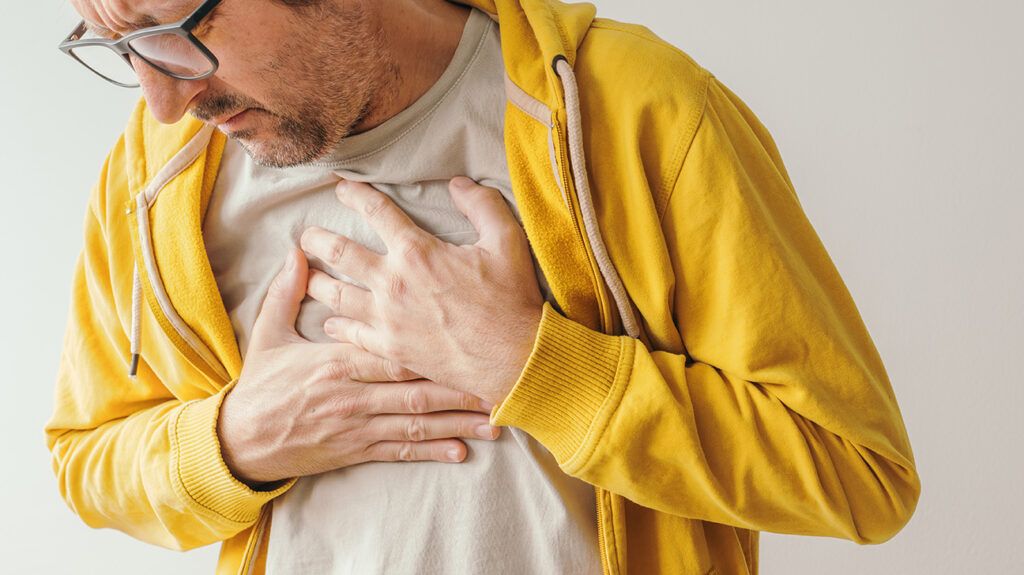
(330, 327)
(341, 188)
(289, 262)
(453, 455)
(486, 432)
(462, 183)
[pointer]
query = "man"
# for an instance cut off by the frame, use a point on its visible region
(627, 285)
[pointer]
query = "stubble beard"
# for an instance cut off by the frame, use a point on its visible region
(339, 77)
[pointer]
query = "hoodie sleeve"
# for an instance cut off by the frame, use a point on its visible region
(128, 453)
(779, 416)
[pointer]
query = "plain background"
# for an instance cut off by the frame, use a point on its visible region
(901, 125)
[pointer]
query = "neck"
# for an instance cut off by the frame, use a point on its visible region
(421, 39)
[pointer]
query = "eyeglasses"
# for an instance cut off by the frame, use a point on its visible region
(171, 49)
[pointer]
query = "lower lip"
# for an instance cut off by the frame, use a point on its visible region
(236, 121)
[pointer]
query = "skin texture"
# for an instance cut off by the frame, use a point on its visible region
(370, 60)
(301, 408)
(420, 290)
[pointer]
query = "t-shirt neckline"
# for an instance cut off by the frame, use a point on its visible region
(395, 128)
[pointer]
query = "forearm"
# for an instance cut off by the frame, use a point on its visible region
(156, 475)
(697, 442)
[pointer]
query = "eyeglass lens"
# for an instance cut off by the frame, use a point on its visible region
(174, 53)
(106, 63)
(170, 52)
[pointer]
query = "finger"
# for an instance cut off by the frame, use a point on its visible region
(281, 305)
(357, 333)
(385, 217)
(349, 362)
(444, 450)
(343, 298)
(432, 426)
(420, 397)
(345, 255)
(491, 216)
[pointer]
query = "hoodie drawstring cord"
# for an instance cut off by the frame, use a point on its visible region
(133, 368)
(590, 224)
(582, 182)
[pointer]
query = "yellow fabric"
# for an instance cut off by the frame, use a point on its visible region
(754, 399)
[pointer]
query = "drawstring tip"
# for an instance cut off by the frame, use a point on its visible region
(133, 370)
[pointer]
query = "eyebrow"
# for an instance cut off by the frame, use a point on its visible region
(144, 22)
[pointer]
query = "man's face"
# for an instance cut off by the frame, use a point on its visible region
(292, 81)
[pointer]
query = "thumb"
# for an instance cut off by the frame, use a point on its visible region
(281, 306)
(486, 209)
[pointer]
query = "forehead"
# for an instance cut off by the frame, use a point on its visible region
(127, 15)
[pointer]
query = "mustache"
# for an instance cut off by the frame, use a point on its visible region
(217, 106)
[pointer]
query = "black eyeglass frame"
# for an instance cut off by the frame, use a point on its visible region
(123, 48)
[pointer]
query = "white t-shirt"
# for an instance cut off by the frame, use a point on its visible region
(508, 508)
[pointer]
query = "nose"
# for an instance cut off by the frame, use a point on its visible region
(167, 98)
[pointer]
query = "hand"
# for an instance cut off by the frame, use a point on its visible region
(301, 408)
(463, 316)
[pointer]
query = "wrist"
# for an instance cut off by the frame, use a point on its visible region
(233, 443)
(520, 348)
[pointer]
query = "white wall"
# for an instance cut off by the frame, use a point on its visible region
(901, 125)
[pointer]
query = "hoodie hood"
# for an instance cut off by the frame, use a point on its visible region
(538, 30)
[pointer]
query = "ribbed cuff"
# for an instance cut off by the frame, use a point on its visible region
(202, 472)
(563, 392)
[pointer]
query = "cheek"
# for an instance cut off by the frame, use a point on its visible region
(256, 76)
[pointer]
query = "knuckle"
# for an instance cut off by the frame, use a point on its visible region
(277, 288)
(414, 249)
(350, 405)
(346, 407)
(461, 428)
(406, 452)
(354, 334)
(338, 296)
(466, 402)
(336, 369)
(376, 206)
(397, 286)
(416, 400)
(416, 430)
(393, 371)
(336, 251)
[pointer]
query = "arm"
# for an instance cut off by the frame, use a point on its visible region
(781, 417)
(129, 454)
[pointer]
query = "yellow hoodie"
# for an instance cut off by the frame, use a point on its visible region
(707, 370)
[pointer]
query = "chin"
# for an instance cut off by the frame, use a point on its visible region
(275, 152)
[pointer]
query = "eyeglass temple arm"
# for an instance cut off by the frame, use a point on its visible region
(200, 13)
(77, 33)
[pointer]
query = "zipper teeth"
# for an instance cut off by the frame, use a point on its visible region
(566, 180)
(602, 545)
(248, 563)
(570, 190)
(191, 340)
(182, 160)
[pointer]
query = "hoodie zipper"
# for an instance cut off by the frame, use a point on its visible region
(602, 545)
(569, 186)
(187, 343)
(247, 565)
(605, 269)
(570, 191)
(138, 210)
